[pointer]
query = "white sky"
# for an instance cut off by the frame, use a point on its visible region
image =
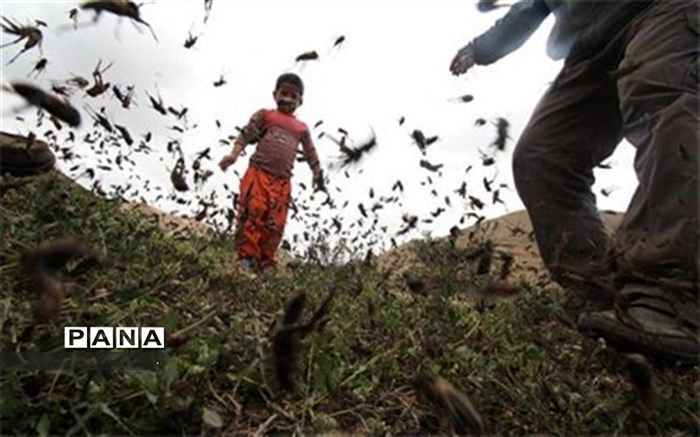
(393, 63)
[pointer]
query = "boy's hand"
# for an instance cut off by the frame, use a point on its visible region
(227, 161)
(463, 60)
(318, 183)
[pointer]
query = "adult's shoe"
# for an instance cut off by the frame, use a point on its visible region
(649, 325)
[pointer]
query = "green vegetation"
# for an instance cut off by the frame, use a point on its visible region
(524, 368)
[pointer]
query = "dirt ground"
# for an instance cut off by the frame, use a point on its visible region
(511, 232)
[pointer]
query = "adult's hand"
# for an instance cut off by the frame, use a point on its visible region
(463, 60)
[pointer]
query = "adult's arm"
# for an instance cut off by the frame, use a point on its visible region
(510, 32)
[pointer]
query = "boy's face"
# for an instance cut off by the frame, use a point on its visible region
(288, 98)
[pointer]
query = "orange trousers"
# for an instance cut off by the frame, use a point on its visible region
(262, 215)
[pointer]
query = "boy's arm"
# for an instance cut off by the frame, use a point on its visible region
(510, 32)
(312, 158)
(250, 133)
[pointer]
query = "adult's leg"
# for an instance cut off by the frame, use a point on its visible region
(657, 242)
(574, 127)
(656, 246)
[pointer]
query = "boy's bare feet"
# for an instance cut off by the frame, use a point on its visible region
(247, 266)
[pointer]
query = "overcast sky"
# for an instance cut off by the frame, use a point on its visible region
(394, 62)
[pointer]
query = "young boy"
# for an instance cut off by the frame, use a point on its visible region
(265, 188)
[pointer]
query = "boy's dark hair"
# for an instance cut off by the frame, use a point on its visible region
(292, 79)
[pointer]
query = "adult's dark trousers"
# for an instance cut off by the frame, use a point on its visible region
(642, 85)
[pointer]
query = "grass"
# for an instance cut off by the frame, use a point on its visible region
(525, 369)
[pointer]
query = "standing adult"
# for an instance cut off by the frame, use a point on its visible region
(630, 71)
